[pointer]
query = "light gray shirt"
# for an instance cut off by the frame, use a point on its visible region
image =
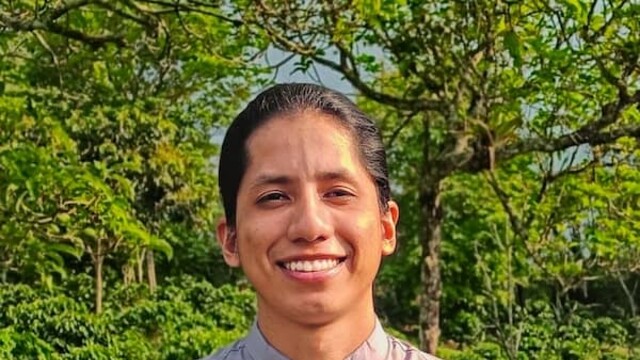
(379, 346)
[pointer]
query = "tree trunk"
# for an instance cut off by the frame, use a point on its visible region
(151, 271)
(139, 265)
(431, 175)
(98, 260)
(6, 265)
(431, 211)
(629, 294)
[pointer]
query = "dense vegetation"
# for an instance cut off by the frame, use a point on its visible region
(183, 319)
(512, 131)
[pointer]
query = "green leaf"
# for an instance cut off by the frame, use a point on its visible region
(66, 249)
(513, 45)
(163, 246)
(90, 232)
(578, 7)
(64, 218)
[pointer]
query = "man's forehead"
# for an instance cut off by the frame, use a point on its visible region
(283, 122)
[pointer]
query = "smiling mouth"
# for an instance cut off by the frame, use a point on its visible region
(311, 265)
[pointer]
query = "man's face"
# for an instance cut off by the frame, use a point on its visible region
(309, 231)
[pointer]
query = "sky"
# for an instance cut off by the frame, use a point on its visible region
(320, 75)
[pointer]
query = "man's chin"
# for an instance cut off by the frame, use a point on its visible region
(312, 311)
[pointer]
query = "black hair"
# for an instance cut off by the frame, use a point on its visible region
(287, 98)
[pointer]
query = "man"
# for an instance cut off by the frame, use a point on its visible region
(308, 217)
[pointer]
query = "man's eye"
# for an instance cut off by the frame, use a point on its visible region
(338, 193)
(274, 196)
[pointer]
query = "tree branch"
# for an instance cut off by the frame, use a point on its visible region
(516, 225)
(383, 98)
(54, 58)
(92, 40)
(108, 5)
(345, 66)
(17, 25)
(588, 134)
(630, 295)
(518, 228)
(398, 129)
(64, 8)
(198, 8)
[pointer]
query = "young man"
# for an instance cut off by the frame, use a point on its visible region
(308, 217)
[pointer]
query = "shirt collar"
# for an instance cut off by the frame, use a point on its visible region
(375, 347)
(258, 346)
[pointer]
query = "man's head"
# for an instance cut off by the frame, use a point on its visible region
(304, 182)
(291, 98)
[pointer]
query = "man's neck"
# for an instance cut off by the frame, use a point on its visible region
(333, 340)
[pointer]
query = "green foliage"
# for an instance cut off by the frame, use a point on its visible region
(581, 336)
(184, 322)
(110, 114)
(106, 142)
(496, 112)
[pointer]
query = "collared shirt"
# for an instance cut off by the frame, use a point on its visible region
(379, 346)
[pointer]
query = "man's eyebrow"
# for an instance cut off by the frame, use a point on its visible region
(341, 175)
(268, 179)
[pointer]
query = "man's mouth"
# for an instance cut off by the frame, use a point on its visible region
(311, 265)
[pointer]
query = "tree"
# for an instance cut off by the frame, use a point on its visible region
(36, 204)
(488, 82)
(135, 89)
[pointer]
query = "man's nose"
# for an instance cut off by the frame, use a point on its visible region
(310, 220)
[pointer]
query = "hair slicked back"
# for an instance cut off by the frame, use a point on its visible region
(289, 98)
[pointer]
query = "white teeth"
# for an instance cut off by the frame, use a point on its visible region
(311, 266)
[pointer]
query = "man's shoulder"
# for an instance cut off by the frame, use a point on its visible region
(231, 352)
(403, 350)
(397, 349)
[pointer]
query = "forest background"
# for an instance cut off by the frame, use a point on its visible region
(512, 130)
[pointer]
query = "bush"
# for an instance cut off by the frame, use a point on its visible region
(185, 319)
(24, 346)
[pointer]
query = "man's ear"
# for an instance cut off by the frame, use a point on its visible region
(389, 221)
(228, 242)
